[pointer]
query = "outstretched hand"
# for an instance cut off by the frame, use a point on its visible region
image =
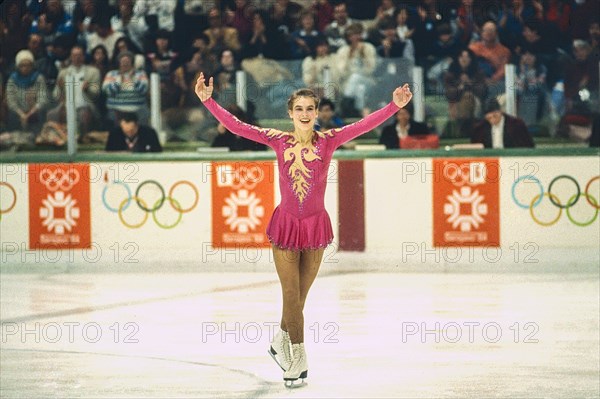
(203, 91)
(402, 96)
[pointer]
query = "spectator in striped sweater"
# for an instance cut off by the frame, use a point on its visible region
(126, 89)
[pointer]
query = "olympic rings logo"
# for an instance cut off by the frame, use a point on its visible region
(12, 203)
(151, 208)
(471, 173)
(59, 179)
(556, 201)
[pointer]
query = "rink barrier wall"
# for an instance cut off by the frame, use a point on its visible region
(393, 201)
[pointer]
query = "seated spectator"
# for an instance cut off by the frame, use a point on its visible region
(13, 32)
(583, 11)
(201, 60)
(327, 118)
(240, 18)
(493, 57)
(160, 14)
(444, 50)
(356, 62)
(162, 59)
(129, 24)
(225, 74)
(465, 88)
(130, 135)
(542, 40)
(430, 15)
(124, 44)
(266, 41)
(100, 60)
(126, 89)
(386, 9)
(314, 70)
(190, 22)
(531, 88)
(465, 21)
(403, 126)
(103, 34)
(232, 141)
(558, 12)
(304, 40)
(220, 37)
(336, 31)
(323, 11)
(390, 45)
(500, 130)
(581, 80)
(285, 15)
(87, 89)
(28, 95)
(59, 55)
(85, 12)
(512, 17)
(537, 39)
(54, 21)
(43, 63)
(403, 30)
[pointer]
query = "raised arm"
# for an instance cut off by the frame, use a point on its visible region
(231, 123)
(401, 97)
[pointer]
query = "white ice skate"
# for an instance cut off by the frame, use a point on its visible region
(280, 349)
(298, 371)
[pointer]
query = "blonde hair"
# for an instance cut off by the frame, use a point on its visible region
(302, 93)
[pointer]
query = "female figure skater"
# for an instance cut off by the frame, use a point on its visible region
(300, 228)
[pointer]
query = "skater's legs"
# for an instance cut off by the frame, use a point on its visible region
(310, 261)
(287, 264)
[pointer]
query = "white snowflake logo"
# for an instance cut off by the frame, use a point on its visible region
(243, 211)
(59, 212)
(475, 209)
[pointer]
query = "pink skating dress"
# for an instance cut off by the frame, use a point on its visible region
(300, 221)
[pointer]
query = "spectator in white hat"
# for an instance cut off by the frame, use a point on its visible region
(26, 95)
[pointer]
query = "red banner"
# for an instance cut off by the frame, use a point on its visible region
(466, 202)
(59, 206)
(242, 203)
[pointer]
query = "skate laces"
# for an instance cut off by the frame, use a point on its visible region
(298, 355)
(287, 355)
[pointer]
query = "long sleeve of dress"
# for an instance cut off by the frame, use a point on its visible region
(349, 132)
(235, 126)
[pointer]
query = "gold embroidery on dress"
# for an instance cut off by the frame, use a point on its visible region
(297, 154)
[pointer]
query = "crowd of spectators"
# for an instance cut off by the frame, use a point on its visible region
(112, 46)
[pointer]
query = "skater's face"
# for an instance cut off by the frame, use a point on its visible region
(304, 113)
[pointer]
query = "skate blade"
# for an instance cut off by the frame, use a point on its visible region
(296, 382)
(292, 384)
(272, 352)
